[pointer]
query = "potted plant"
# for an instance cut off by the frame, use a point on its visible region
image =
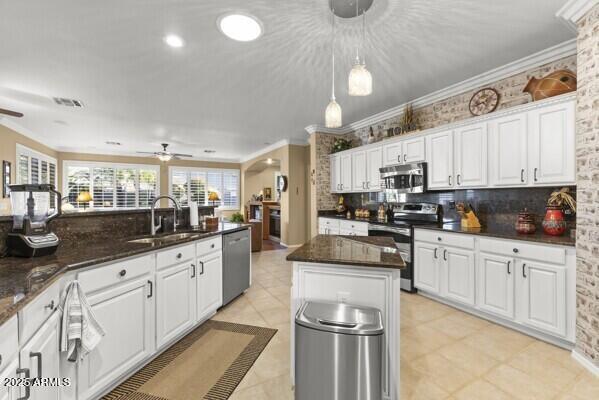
(341, 144)
(554, 222)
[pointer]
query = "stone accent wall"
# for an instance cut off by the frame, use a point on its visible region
(587, 153)
(456, 108)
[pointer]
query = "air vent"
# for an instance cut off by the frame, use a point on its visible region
(68, 102)
(209, 151)
(111, 143)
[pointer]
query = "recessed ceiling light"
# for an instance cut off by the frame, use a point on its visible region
(240, 27)
(269, 161)
(173, 41)
(209, 151)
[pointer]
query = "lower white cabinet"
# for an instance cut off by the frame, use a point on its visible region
(126, 312)
(459, 274)
(496, 284)
(543, 296)
(209, 284)
(41, 357)
(426, 273)
(175, 301)
(8, 371)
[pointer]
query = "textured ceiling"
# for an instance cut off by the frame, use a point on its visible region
(237, 97)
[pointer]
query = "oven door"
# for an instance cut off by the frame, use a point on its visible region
(403, 241)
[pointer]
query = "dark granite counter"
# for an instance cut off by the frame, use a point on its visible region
(364, 251)
(505, 232)
(21, 279)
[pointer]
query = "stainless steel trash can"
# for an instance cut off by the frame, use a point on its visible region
(338, 352)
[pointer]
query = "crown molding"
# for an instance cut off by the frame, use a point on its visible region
(574, 10)
(311, 129)
(272, 147)
(548, 55)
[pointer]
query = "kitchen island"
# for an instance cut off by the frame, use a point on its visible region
(362, 271)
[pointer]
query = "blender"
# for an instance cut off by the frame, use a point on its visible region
(33, 206)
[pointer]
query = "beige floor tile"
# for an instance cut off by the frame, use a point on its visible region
(451, 327)
(562, 356)
(279, 388)
(427, 311)
(266, 303)
(276, 316)
(501, 350)
(481, 390)
(586, 387)
(256, 392)
(520, 385)
(423, 334)
(468, 358)
(442, 372)
(417, 386)
(549, 371)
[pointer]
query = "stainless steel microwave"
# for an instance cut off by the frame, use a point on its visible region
(407, 178)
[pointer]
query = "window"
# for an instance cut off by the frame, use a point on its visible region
(112, 186)
(193, 184)
(34, 167)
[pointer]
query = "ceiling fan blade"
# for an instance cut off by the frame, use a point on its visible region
(182, 155)
(11, 113)
(146, 152)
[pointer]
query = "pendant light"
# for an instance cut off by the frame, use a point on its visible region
(360, 79)
(333, 112)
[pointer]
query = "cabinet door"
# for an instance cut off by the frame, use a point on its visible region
(358, 171)
(439, 149)
(392, 154)
(413, 150)
(542, 296)
(41, 356)
(496, 285)
(459, 274)
(552, 144)
(426, 267)
(345, 172)
(126, 313)
(175, 301)
(471, 156)
(374, 159)
(335, 174)
(509, 150)
(210, 284)
(9, 371)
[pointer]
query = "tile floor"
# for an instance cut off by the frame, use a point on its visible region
(446, 354)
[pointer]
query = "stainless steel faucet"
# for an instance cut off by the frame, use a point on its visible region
(153, 226)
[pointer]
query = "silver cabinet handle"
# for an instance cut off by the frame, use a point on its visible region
(445, 255)
(524, 270)
(399, 158)
(26, 372)
(202, 265)
(435, 255)
(39, 362)
(151, 289)
(458, 179)
(508, 268)
(193, 268)
(405, 158)
(522, 175)
(449, 180)
(179, 255)
(535, 174)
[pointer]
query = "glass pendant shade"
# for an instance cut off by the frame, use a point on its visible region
(333, 114)
(360, 81)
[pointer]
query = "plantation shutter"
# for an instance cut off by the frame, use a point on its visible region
(180, 187)
(126, 192)
(104, 187)
(197, 187)
(23, 170)
(147, 187)
(230, 197)
(78, 181)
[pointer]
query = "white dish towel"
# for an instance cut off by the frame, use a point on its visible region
(80, 331)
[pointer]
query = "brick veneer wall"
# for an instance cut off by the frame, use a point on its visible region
(587, 153)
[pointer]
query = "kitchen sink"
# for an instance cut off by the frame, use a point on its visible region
(165, 239)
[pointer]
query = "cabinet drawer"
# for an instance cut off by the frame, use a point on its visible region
(328, 223)
(209, 245)
(34, 314)
(112, 274)
(176, 255)
(442, 238)
(550, 254)
(9, 341)
(361, 227)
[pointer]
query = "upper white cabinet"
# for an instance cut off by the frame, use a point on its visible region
(440, 155)
(404, 151)
(392, 153)
(552, 144)
(358, 171)
(508, 150)
(374, 162)
(470, 156)
(335, 173)
(345, 170)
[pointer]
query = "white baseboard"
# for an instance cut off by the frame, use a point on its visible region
(586, 363)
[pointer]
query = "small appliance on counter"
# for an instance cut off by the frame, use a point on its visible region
(33, 207)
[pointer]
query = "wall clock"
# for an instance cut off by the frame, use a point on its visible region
(282, 183)
(484, 101)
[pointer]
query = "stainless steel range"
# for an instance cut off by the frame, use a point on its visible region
(401, 229)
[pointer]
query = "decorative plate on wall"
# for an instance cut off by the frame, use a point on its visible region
(484, 101)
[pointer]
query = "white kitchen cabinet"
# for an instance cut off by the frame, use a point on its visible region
(508, 150)
(413, 150)
(542, 296)
(346, 172)
(8, 370)
(374, 162)
(458, 266)
(328, 226)
(358, 171)
(392, 153)
(439, 149)
(470, 156)
(496, 285)
(41, 356)
(335, 173)
(126, 313)
(175, 301)
(552, 144)
(209, 284)
(426, 271)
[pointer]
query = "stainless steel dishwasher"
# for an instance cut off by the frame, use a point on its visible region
(236, 264)
(338, 352)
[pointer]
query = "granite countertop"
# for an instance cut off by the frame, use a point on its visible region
(505, 232)
(21, 279)
(364, 251)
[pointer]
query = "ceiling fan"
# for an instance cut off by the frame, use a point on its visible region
(165, 155)
(11, 113)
